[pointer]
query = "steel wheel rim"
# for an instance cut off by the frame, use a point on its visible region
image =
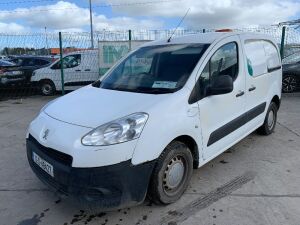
(289, 84)
(174, 175)
(271, 119)
(46, 88)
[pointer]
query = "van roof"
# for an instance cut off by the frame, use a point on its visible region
(206, 38)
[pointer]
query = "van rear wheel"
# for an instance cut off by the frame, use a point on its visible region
(270, 120)
(47, 88)
(172, 174)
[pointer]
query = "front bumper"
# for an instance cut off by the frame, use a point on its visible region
(107, 187)
(12, 80)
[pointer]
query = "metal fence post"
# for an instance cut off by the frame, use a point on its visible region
(61, 65)
(282, 42)
(129, 38)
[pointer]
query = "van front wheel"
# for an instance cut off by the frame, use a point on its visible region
(270, 120)
(47, 87)
(172, 174)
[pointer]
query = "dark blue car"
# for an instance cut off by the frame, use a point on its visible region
(291, 77)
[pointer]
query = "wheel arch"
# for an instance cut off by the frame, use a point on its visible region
(276, 100)
(192, 145)
(46, 79)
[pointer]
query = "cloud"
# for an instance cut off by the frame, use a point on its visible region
(11, 28)
(67, 16)
(216, 13)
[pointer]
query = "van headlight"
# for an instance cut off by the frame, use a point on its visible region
(118, 131)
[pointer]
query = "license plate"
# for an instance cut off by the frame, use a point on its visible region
(47, 167)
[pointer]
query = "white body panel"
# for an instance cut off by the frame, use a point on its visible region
(266, 85)
(170, 115)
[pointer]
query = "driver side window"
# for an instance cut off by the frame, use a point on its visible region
(223, 62)
(69, 61)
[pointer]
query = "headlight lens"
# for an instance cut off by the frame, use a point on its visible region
(117, 131)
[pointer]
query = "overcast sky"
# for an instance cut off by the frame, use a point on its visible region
(67, 15)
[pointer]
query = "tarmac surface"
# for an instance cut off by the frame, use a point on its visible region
(257, 181)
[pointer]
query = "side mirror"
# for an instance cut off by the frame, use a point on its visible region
(220, 85)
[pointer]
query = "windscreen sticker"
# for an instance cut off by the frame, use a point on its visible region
(164, 84)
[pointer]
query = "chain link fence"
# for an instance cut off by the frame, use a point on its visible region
(34, 60)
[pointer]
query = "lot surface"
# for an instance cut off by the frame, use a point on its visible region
(255, 182)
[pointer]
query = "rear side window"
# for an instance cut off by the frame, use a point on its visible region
(262, 57)
(256, 57)
(29, 62)
(42, 62)
(273, 60)
(69, 61)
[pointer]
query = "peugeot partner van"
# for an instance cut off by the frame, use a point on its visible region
(80, 68)
(165, 109)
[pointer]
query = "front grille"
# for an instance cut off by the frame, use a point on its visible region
(63, 158)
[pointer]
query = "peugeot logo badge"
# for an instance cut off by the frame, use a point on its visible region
(46, 133)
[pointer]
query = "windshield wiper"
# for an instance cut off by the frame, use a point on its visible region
(143, 90)
(156, 90)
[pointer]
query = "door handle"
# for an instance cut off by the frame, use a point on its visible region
(87, 70)
(252, 88)
(77, 70)
(241, 93)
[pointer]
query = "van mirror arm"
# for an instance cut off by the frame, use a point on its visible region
(97, 83)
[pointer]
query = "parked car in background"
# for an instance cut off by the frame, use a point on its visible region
(31, 60)
(3, 57)
(4, 63)
(5, 67)
(21, 70)
(80, 68)
(291, 77)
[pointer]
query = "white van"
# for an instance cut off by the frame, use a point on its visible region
(164, 110)
(80, 68)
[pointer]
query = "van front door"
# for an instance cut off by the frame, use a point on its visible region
(222, 116)
(72, 70)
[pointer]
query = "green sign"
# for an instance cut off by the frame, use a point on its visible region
(112, 53)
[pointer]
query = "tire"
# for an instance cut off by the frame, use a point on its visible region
(289, 83)
(47, 88)
(172, 174)
(270, 120)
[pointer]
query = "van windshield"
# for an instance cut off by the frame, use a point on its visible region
(155, 69)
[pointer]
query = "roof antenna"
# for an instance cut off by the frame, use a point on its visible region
(178, 24)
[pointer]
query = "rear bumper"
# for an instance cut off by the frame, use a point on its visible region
(107, 187)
